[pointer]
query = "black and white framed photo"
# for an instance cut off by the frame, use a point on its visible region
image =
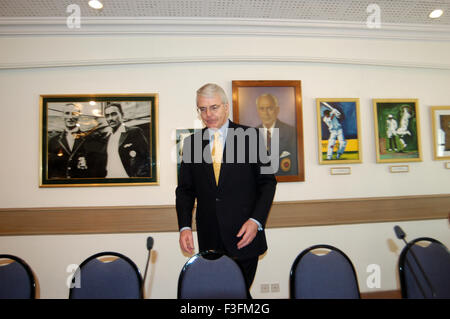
(98, 140)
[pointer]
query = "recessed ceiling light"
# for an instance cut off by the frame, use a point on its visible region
(95, 4)
(436, 13)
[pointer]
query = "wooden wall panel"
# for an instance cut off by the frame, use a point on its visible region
(133, 219)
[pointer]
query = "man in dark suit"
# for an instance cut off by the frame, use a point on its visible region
(268, 110)
(128, 153)
(223, 170)
(66, 153)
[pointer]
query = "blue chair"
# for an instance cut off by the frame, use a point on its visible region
(212, 275)
(107, 275)
(323, 276)
(16, 279)
(433, 259)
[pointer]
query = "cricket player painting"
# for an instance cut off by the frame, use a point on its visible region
(338, 125)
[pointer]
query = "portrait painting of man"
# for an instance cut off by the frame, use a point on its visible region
(274, 107)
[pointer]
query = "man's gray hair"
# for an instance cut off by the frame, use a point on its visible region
(267, 95)
(210, 90)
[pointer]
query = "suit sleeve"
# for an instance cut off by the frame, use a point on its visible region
(266, 185)
(185, 192)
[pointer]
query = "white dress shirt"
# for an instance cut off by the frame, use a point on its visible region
(114, 166)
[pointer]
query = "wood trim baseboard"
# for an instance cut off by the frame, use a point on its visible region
(135, 219)
(387, 294)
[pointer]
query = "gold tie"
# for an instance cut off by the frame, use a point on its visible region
(217, 155)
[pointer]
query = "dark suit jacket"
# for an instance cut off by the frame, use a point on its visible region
(64, 162)
(288, 143)
(133, 150)
(243, 193)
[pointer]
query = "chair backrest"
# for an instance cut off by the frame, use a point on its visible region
(429, 256)
(100, 277)
(211, 275)
(16, 279)
(323, 276)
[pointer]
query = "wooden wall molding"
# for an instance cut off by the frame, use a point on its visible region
(135, 219)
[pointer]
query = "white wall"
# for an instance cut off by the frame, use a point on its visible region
(329, 68)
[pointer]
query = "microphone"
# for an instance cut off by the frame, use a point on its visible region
(149, 243)
(149, 248)
(401, 235)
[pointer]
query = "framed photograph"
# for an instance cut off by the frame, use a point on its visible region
(98, 140)
(271, 105)
(441, 131)
(338, 128)
(397, 130)
(181, 134)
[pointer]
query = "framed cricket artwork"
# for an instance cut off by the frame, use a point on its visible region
(397, 130)
(338, 127)
(181, 134)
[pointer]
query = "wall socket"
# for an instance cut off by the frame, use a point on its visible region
(275, 287)
(266, 288)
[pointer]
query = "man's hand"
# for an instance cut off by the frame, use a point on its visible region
(187, 241)
(248, 232)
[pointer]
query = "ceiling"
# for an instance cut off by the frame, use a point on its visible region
(392, 11)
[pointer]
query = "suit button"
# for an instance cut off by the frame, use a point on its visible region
(218, 199)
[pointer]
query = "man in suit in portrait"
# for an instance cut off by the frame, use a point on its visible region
(223, 170)
(66, 154)
(127, 149)
(268, 110)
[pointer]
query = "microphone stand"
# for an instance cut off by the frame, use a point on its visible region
(149, 248)
(401, 235)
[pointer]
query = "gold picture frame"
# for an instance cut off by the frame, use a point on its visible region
(339, 130)
(98, 140)
(288, 117)
(397, 130)
(440, 117)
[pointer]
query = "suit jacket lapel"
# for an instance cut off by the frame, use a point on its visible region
(63, 142)
(228, 143)
(207, 159)
(123, 136)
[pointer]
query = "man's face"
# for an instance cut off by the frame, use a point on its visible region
(71, 116)
(212, 118)
(267, 111)
(113, 116)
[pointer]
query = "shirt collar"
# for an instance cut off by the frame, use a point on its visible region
(74, 130)
(271, 127)
(120, 130)
(222, 130)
